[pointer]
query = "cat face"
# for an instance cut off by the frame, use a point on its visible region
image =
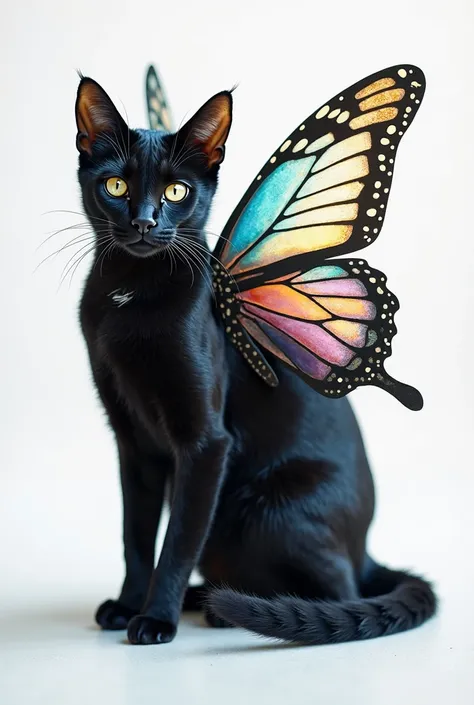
(144, 187)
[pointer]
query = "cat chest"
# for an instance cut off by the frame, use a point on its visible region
(158, 374)
(144, 362)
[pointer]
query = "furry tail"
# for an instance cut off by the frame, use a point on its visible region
(408, 602)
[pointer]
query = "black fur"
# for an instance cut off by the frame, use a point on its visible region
(407, 601)
(271, 490)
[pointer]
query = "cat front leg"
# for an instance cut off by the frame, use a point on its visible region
(200, 472)
(143, 476)
(143, 484)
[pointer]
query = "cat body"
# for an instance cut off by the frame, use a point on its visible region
(271, 491)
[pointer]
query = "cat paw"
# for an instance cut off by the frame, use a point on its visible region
(148, 630)
(112, 614)
(214, 621)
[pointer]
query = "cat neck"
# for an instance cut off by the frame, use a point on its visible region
(165, 277)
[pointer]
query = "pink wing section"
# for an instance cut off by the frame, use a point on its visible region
(339, 287)
(285, 347)
(283, 299)
(349, 332)
(358, 309)
(312, 336)
(257, 333)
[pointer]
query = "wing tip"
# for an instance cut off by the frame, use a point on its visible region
(151, 71)
(414, 72)
(412, 398)
(407, 395)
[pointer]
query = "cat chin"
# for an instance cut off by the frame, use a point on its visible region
(143, 249)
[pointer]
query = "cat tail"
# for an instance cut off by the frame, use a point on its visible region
(406, 602)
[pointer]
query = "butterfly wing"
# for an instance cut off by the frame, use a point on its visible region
(159, 115)
(323, 193)
(333, 325)
(325, 189)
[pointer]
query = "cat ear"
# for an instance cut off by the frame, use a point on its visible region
(209, 127)
(95, 115)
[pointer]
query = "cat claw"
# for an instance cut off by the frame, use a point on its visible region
(113, 615)
(148, 630)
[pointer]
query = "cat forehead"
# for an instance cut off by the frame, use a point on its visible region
(158, 151)
(151, 137)
(151, 143)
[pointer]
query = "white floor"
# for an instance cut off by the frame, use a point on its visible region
(60, 555)
(52, 653)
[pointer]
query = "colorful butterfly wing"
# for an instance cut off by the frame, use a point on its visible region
(323, 193)
(325, 189)
(159, 115)
(333, 325)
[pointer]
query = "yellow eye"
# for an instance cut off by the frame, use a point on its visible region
(176, 192)
(115, 186)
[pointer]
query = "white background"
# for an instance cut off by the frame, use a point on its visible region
(60, 506)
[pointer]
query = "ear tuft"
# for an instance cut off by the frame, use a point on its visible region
(210, 126)
(95, 114)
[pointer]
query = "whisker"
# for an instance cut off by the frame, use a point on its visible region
(128, 128)
(185, 243)
(191, 151)
(174, 159)
(102, 244)
(207, 279)
(77, 261)
(100, 241)
(175, 141)
(187, 259)
(101, 254)
(201, 262)
(205, 231)
(114, 143)
(122, 141)
(90, 232)
(89, 217)
(217, 260)
(75, 241)
(79, 226)
(183, 258)
(76, 265)
(107, 251)
(172, 258)
(206, 249)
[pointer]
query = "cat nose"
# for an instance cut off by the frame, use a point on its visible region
(143, 225)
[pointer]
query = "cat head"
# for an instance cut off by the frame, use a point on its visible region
(143, 187)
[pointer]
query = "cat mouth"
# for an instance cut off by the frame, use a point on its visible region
(143, 248)
(149, 245)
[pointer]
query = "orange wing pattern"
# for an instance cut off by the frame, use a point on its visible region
(323, 193)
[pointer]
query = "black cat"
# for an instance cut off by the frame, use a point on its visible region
(271, 490)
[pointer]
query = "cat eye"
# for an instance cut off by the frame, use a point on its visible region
(176, 192)
(115, 186)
